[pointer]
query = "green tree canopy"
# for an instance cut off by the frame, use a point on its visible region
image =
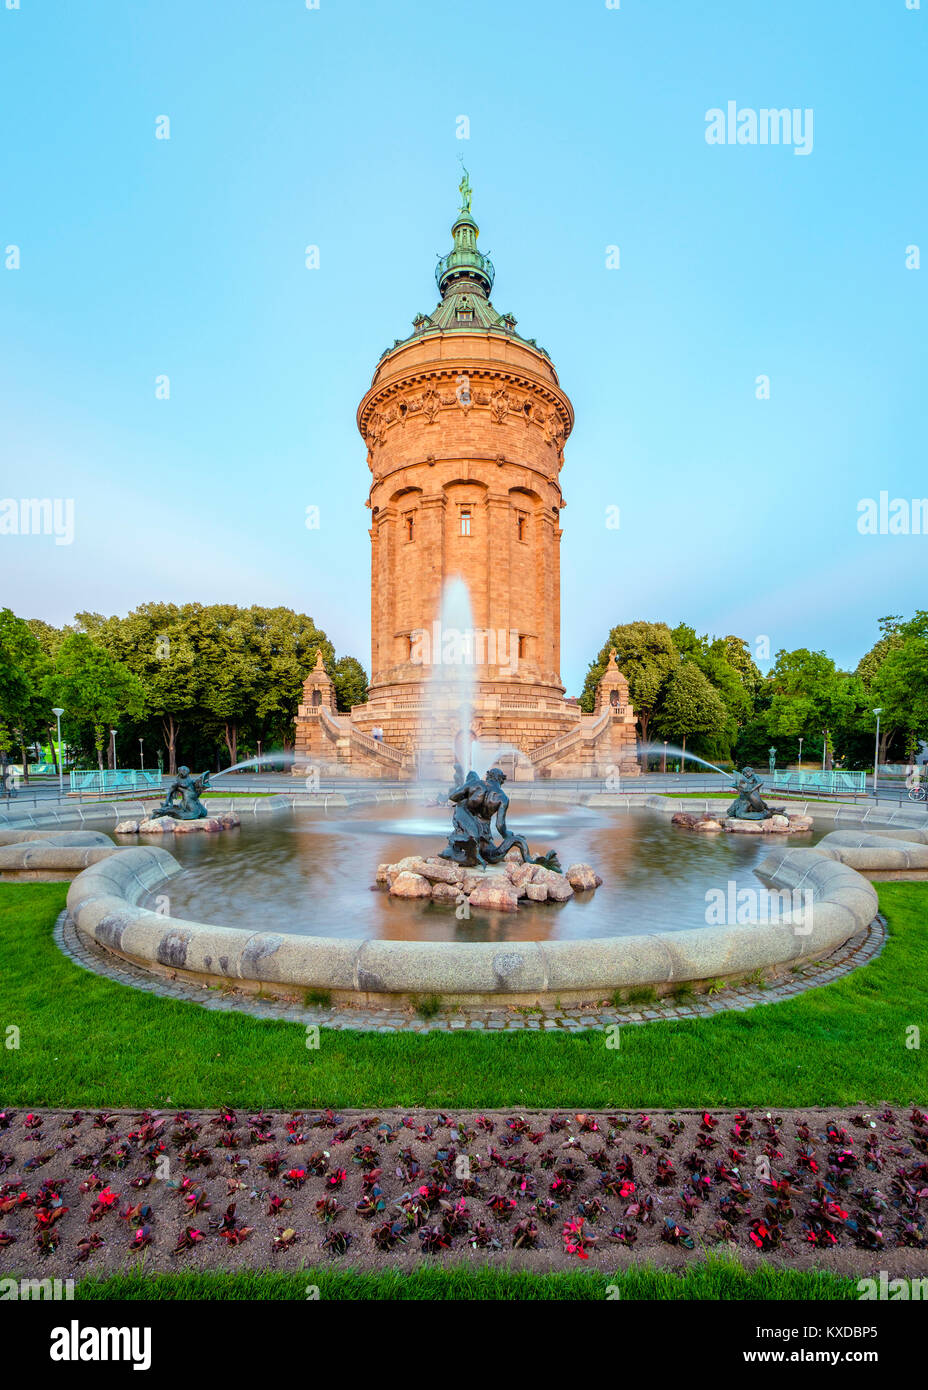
(25, 711)
(93, 688)
(691, 705)
(899, 684)
(811, 697)
(350, 681)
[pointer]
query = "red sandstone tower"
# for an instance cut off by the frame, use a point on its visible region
(465, 424)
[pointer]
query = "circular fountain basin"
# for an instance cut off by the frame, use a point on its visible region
(290, 906)
(313, 873)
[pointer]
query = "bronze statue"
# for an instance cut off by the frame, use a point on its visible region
(475, 803)
(465, 190)
(749, 804)
(189, 789)
(469, 828)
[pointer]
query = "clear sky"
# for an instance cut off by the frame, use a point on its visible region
(338, 127)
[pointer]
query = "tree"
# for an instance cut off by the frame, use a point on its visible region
(286, 644)
(350, 681)
(646, 655)
(739, 657)
(900, 683)
(869, 668)
(215, 674)
(153, 642)
(811, 697)
(93, 687)
(727, 666)
(25, 712)
(691, 705)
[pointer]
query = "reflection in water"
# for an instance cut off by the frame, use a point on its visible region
(311, 872)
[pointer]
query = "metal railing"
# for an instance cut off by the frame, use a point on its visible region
(127, 779)
(834, 781)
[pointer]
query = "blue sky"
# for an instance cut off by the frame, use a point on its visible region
(337, 127)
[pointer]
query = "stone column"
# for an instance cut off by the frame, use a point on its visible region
(384, 617)
(431, 565)
(555, 648)
(499, 517)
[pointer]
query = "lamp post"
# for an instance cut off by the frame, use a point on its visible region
(824, 748)
(141, 760)
(800, 757)
(58, 713)
(258, 769)
(876, 748)
(664, 758)
(113, 747)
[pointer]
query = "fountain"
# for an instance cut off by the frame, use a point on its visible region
(748, 813)
(474, 869)
(476, 805)
(449, 691)
(189, 790)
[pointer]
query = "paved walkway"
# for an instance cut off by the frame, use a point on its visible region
(857, 951)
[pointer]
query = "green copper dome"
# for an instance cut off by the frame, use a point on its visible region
(464, 261)
(465, 278)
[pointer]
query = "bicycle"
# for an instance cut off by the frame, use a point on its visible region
(919, 793)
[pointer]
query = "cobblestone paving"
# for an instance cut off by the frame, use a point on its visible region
(857, 951)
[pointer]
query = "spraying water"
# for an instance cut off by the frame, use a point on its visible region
(662, 748)
(288, 759)
(449, 690)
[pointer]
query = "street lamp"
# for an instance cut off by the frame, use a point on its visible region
(113, 747)
(800, 757)
(664, 758)
(141, 755)
(824, 747)
(258, 769)
(58, 713)
(876, 748)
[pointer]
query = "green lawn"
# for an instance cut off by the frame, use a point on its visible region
(86, 1041)
(714, 1278)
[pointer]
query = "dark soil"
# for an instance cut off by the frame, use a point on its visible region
(460, 1187)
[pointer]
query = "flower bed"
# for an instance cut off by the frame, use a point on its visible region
(88, 1192)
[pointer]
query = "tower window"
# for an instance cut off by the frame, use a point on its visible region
(465, 521)
(410, 525)
(520, 528)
